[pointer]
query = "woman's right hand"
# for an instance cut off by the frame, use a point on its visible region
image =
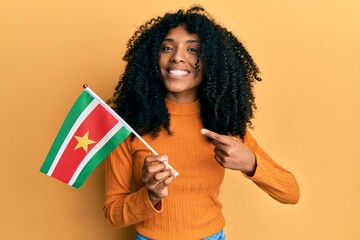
(156, 176)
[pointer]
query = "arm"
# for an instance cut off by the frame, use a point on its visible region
(256, 165)
(271, 177)
(122, 206)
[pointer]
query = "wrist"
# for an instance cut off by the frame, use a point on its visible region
(154, 200)
(251, 167)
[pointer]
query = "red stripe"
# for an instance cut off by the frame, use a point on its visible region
(98, 123)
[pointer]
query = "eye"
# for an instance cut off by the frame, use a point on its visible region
(166, 49)
(193, 50)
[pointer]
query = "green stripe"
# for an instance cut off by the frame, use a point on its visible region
(100, 155)
(79, 106)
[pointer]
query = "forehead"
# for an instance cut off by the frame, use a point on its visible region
(181, 32)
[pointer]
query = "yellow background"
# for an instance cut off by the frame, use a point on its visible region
(307, 119)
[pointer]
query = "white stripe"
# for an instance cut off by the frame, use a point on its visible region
(72, 131)
(175, 173)
(94, 150)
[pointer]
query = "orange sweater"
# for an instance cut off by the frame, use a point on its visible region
(192, 209)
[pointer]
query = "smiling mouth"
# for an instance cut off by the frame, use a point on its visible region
(177, 73)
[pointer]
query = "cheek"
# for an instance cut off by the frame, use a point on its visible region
(163, 59)
(162, 74)
(161, 67)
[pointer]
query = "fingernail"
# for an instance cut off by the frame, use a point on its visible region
(164, 158)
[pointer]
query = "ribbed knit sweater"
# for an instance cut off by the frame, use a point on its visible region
(192, 209)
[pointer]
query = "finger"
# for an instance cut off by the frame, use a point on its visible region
(151, 175)
(150, 160)
(223, 145)
(217, 158)
(153, 169)
(159, 182)
(169, 180)
(221, 154)
(161, 185)
(217, 138)
(161, 176)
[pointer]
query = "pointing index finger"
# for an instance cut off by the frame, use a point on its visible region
(214, 136)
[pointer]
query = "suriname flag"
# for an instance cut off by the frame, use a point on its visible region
(91, 130)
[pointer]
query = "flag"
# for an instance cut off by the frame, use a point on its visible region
(91, 130)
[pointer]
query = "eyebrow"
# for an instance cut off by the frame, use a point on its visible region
(187, 41)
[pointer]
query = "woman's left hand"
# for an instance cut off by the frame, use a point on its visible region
(231, 153)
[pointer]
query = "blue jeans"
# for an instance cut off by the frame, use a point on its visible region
(217, 236)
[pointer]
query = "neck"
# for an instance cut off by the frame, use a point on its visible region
(181, 98)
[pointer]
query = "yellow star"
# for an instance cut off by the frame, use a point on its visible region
(84, 141)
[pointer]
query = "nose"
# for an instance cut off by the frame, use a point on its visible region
(177, 56)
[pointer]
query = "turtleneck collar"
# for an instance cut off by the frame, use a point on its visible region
(183, 108)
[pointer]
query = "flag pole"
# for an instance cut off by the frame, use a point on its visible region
(87, 88)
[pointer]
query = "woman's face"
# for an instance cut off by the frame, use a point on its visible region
(178, 57)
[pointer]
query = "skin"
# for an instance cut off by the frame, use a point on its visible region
(179, 53)
(231, 153)
(156, 177)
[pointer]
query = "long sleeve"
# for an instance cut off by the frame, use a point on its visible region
(271, 177)
(192, 209)
(122, 206)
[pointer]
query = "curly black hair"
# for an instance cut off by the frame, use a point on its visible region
(225, 93)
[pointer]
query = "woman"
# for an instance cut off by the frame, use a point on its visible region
(188, 90)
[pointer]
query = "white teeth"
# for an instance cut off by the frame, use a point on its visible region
(178, 72)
